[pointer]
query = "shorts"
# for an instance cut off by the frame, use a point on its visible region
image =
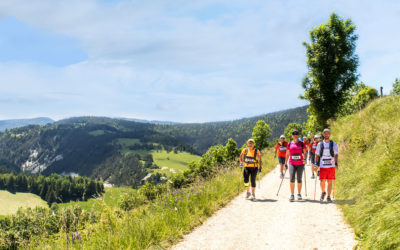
(312, 156)
(282, 160)
(296, 170)
(252, 173)
(327, 174)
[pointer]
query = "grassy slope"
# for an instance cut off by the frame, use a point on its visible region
(178, 162)
(158, 225)
(9, 203)
(110, 198)
(368, 183)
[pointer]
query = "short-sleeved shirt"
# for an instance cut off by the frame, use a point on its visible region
(281, 149)
(296, 153)
(326, 160)
(250, 153)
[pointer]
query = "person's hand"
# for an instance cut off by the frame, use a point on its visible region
(259, 169)
(286, 166)
(241, 165)
(274, 156)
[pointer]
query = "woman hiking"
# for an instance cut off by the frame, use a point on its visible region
(281, 149)
(295, 156)
(251, 157)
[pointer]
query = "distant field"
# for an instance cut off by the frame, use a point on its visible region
(111, 198)
(177, 162)
(9, 203)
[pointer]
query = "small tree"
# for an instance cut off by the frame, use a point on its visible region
(396, 87)
(366, 95)
(260, 134)
(290, 127)
(231, 151)
(332, 65)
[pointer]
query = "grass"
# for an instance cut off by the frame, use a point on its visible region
(177, 162)
(9, 202)
(163, 222)
(110, 198)
(368, 180)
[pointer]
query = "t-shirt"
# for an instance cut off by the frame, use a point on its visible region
(250, 153)
(326, 160)
(281, 149)
(314, 147)
(296, 153)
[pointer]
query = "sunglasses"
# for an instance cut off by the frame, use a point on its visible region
(295, 133)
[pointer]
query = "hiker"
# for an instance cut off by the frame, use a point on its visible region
(326, 157)
(312, 155)
(281, 149)
(295, 156)
(251, 157)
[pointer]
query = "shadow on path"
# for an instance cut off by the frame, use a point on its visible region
(265, 200)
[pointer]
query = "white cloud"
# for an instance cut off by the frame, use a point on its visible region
(159, 60)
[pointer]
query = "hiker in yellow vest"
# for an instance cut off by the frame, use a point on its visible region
(251, 157)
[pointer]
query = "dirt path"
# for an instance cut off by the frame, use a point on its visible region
(273, 222)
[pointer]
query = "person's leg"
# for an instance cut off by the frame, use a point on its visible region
(329, 187)
(246, 178)
(299, 172)
(292, 173)
(322, 183)
(253, 179)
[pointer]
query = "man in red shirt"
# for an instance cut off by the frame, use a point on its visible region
(281, 148)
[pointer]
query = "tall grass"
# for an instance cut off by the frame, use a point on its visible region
(160, 223)
(368, 181)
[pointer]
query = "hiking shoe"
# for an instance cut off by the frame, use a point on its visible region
(291, 198)
(299, 197)
(253, 196)
(328, 199)
(247, 195)
(282, 176)
(322, 196)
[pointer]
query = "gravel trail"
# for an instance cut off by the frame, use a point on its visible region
(272, 222)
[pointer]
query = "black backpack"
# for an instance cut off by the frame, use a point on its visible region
(330, 148)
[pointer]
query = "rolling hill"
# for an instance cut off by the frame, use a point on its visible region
(124, 152)
(203, 135)
(16, 123)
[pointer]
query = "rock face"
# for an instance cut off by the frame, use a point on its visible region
(34, 166)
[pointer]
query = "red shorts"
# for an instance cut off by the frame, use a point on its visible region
(327, 173)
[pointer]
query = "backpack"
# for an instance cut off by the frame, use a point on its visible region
(330, 148)
(255, 154)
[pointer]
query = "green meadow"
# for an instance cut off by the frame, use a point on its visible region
(11, 202)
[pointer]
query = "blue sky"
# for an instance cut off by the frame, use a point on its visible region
(185, 61)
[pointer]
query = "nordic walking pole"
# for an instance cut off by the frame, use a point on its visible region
(281, 182)
(240, 177)
(305, 180)
(315, 186)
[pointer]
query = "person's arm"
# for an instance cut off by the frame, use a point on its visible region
(317, 152)
(241, 158)
(287, 156)
(259, 160)
(276, 147)
(304, 155)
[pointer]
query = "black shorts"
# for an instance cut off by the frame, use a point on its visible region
(312, 156)
(281, 160)
(296, 170)
(250, 172)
